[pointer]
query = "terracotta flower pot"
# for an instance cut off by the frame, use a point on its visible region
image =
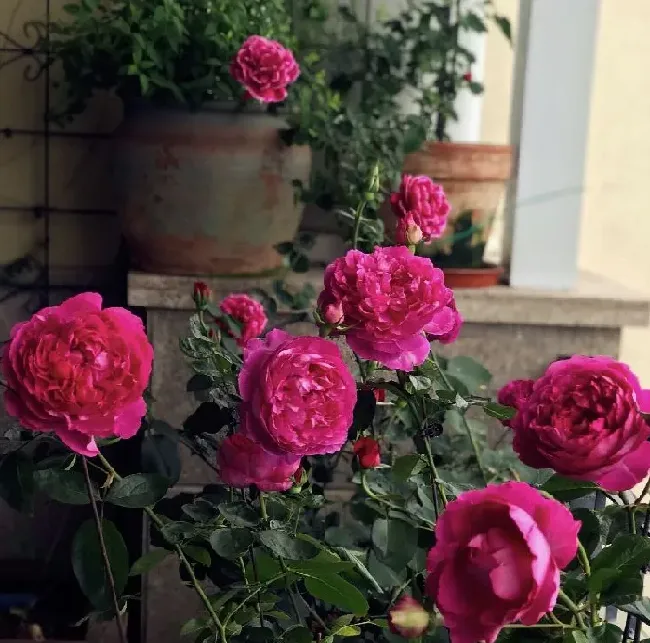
(207, 192)
(474, 177)
(472, 277)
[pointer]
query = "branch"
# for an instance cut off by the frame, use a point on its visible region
(102, 547)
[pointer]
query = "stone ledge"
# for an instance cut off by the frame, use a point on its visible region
(595, 302)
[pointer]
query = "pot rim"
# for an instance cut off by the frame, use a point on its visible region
(496, 148)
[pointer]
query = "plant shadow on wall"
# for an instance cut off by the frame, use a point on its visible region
(442, 541)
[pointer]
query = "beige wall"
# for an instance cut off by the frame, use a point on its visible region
(615, 230)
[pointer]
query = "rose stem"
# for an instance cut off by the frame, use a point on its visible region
(181, 556)
(102, 547)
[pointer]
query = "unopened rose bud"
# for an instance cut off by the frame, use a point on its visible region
(333, 314)
(407, 618)
(367, 450)
(201, 294)
(413, 234)
(467, 77)
(380, 394)
(300, 479)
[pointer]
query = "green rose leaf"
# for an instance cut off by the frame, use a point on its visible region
(625, 556)
(16, 480)
(231, 543)
(504, 25)
(285, 546)
(298, 634)
(403, 467)
(239, 515)
(147, 562)
(88, 564)
(499, 411)
(474, 375)
(138, 490)
(640, 609)
(565, 489)
(200, 555)
(68, 487)
(338, 592)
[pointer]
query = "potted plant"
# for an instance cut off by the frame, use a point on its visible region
(205, 161)
(407, 78)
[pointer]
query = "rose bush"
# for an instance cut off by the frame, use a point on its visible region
(432, 547)
(583, 418)
(79, 371)
(265, 68)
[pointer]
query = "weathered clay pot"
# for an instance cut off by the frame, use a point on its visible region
(207, 192)
(474, 177)
(472, 277)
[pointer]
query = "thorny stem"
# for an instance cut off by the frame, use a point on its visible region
(574, 609)
(435, 486)
(181, 556)
(373, 496)
(468, 429)
(102, 547)
(583, 557)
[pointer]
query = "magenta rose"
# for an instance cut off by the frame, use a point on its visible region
(584, 419)
(298, 394)
(248, 312)
(265, 68)
(508, 544)
(446, 324)
(242, 462)
(79, 371)
(514, 394)
(420, 202)
(388, 298)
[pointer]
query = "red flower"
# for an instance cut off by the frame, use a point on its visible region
(367, 450)
(468, 77)
(380, 394)
(265, 68)
(407, 618)
(201, 294)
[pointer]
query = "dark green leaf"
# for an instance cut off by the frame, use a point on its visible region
(199, 382)
(504, 24)
(316, 567)
(285, 546)
(231, 543)
(68, 487)
(16, 481)
(194, 625)
(88, 564)
(364, 410)
(160, 456)
(475, 376)
(338, 592)
(403, 467)
(138, 490)
(590, 532)
(565, 489)
(499, 411)
(640, 608)
(209, 417)
(384, 575)
(627, 554)
(200, 555)
(298, 634)
(148, 561)
(473, 22)
(239, 515)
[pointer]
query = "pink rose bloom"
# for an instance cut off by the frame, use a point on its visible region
(265, 68)
(298, 394)
(242, 462)
(515, 394)
(388, 298)
(446, 324)
(248, 312)
(79, 371)
(508, 544)
(420, 202)
(584, 420)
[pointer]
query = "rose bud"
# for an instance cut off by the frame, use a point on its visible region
(408, 618)
(467, 77)
(333, 313)
(413, 234)
(367, 450)
(380, 394)
(201, 294)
